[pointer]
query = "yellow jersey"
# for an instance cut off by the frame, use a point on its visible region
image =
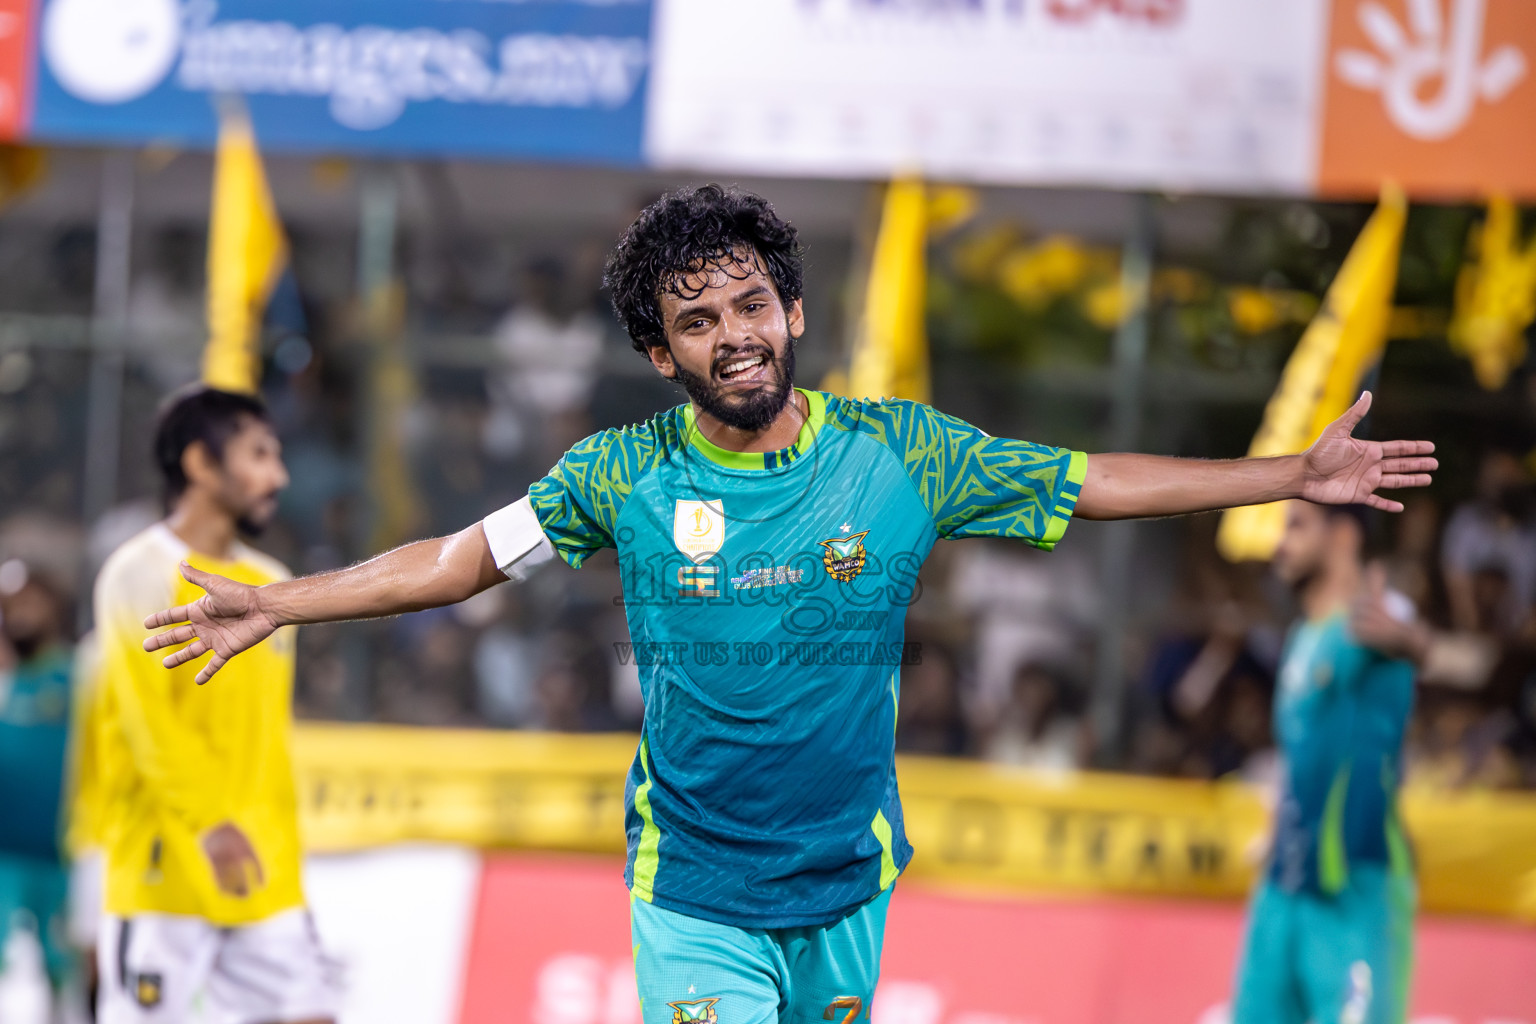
(177, 759)
(83, 832)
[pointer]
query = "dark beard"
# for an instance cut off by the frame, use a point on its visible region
(1300, 585)
(756, 408)
(253, 520)
(249, 527)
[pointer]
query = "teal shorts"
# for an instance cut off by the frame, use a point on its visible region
(690, 971)
(1340, 960)
(39, 890)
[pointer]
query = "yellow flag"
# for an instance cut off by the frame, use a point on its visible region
(1322, 378)
(1495, 296)
(392, 391)
(246, 256)
(21, 168)
(890, 351)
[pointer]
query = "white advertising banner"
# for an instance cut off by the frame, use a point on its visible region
(397, 923)
(1207, 95)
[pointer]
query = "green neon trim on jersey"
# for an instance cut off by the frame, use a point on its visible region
(646, 857)
(1402, 896)
(1071, 488)
(816, 407)
(888, 870)
(971, 483)
(1399, 852)
(1332, 861)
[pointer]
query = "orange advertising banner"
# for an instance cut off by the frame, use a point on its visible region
(15, 66)
(1437, 95)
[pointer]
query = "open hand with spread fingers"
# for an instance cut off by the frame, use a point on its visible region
(226, 620)
(1343, 470)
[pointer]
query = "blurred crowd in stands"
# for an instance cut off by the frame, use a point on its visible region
(1007, 634)
(1207, 681)
(1009, 677)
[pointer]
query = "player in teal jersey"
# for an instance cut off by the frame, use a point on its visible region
(1329, 933)
(768, 539)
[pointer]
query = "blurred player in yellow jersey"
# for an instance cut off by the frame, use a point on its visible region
(82, 835)
(204, 899)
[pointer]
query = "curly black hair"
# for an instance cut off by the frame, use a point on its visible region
(693, 229)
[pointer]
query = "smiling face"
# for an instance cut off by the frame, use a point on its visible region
(730, 342)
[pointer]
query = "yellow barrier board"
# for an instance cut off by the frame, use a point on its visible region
(992, 826)
(973, 824)
(368, 785)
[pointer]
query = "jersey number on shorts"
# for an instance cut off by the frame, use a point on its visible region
(853, 1004)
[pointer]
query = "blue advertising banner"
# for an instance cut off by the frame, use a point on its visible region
(543, 79)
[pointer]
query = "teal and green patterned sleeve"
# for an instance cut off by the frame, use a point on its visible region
(977, 485)
(578, 503)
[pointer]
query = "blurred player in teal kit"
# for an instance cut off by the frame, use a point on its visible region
(768, 541)
(34, 725)
(1330, 930)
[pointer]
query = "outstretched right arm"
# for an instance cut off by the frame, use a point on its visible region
(425, 574)
(233, 617)
(570, 512)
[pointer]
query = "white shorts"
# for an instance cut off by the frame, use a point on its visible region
(85, 895)
(160, 967)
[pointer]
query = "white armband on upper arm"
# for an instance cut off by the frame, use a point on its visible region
(517, 540)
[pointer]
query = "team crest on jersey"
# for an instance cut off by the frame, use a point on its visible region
(148, 990)
(695, 1011)
(698, 528)
(844, 557)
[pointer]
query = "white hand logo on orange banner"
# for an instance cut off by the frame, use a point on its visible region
(1406, 68)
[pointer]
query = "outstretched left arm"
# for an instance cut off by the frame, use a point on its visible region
(1337, 470)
